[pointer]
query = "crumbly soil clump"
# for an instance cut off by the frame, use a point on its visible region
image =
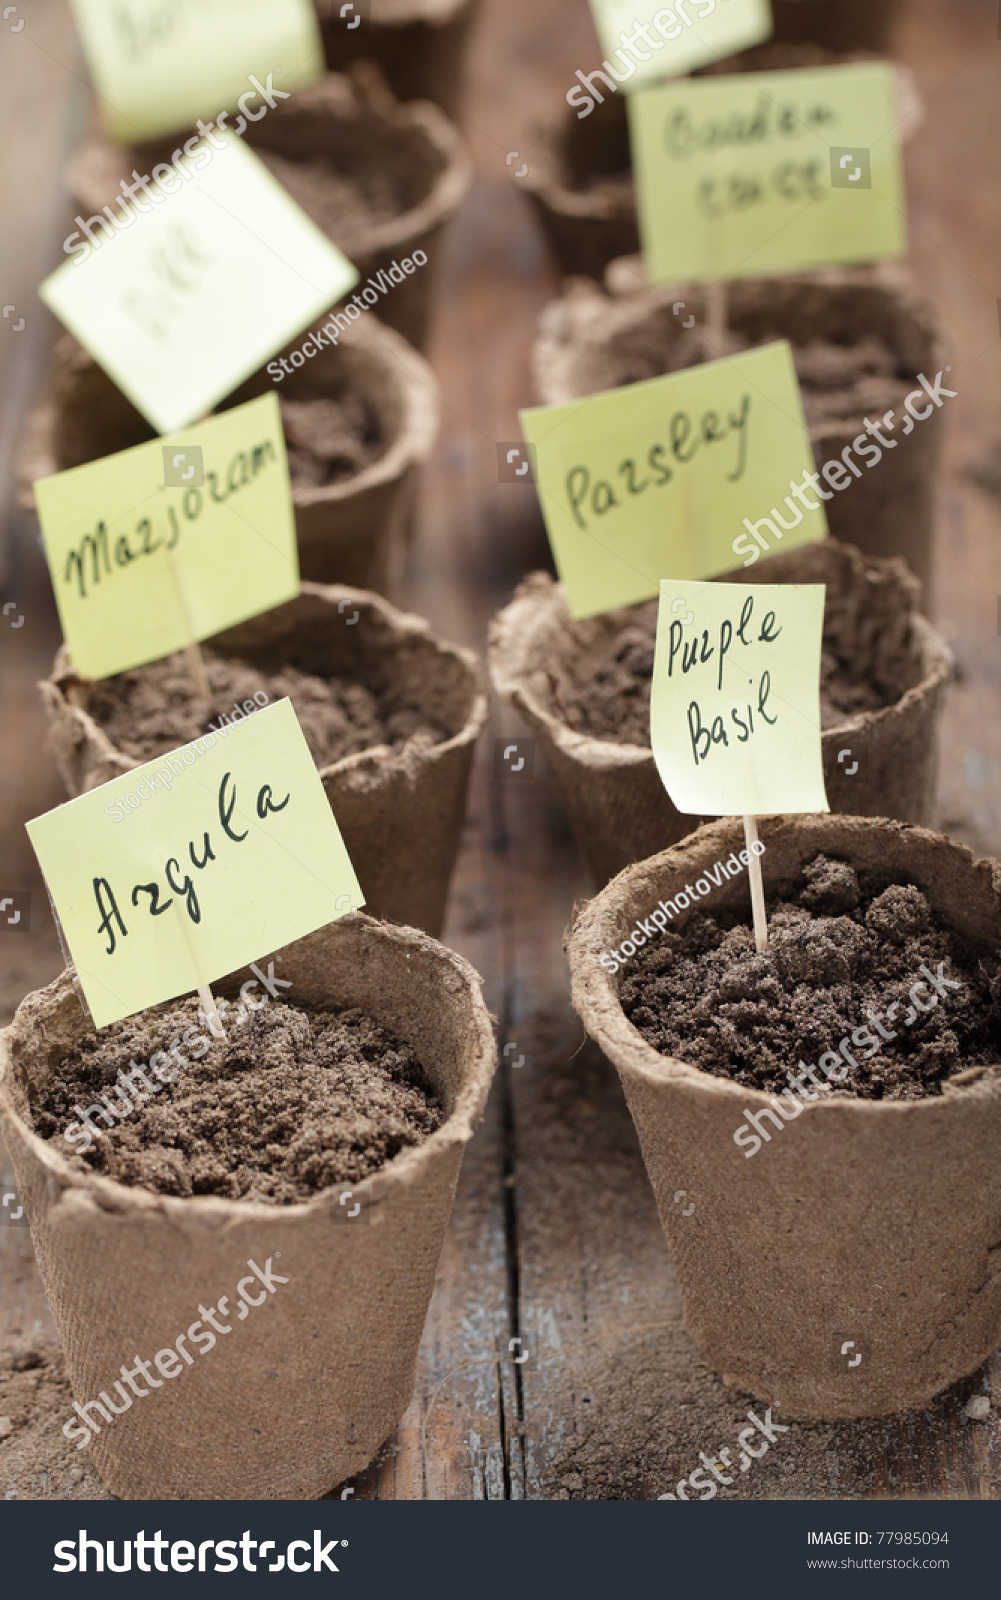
(609, 696)
(329, 441)
(151, 709)
(292, 1101)
(845, 949)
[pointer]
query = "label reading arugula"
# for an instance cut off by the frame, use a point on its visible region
(240, 854)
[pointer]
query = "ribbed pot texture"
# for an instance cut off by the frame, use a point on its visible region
(876, 1222)
(305, 1386)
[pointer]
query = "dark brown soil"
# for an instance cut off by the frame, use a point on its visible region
(844, 949)
(151, 709)
(289, 1103)
(609, 698)
(329, 441)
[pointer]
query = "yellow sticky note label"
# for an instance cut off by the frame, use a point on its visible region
(217, 272)
(735, 699)
(232, 851)
(659, 477)
(666, 41)
(740, 176)
(171, 541)
(158, 66)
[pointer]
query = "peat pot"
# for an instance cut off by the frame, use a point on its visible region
(617, 804)
(307, 1387)
(349, 530)
(400, 813)
(580, 178)
(380, 179)
(420, 45)
(589, 341)
(877, 1221)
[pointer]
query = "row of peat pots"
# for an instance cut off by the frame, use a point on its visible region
(854, 1227)
(877, 1223)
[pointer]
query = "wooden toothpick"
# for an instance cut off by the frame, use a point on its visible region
(716, 315)
(757, 885)
(196, 666)
(211, 1011)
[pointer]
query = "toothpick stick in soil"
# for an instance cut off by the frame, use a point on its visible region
(716, 315)
(196, 666)
(211, 1011)
(757, 886)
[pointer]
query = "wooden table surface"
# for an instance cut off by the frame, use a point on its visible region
(554, 1239)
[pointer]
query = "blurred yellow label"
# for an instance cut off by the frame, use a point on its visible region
(171, 541)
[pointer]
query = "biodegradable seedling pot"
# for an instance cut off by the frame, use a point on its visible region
(407, 159)
(872, 1221)
(617, 804)
(589, 341)
(304, 1390)
(351, 531)
(580, 177)
(400, 814)
(420, 45)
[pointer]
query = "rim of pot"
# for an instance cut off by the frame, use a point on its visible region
(212, 1210)
(403, 625)
(411, 394)
(348, 97)
(588, 319)
(597, 927)
(541, 597)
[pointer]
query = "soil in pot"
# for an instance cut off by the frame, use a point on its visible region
(329, 441)
(836, 988)
(608, 695)
(152, 709)
(291, 1101)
